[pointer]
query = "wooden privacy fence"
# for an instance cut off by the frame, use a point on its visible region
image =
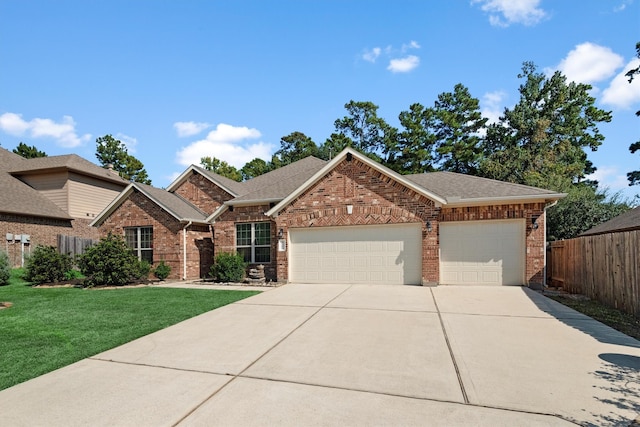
(73, 245)
(604, 267)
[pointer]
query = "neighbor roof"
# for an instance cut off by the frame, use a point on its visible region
(70, 162)
(20, 199)
(627, 221)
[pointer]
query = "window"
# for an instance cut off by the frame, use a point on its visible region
(253, 241)
(140, 240)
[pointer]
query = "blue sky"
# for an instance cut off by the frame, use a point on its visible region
(179, 80)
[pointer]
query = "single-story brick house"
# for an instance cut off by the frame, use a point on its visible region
(45, 197)
(348, 220)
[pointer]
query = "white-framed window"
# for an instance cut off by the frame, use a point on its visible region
(253, 241)
(140, 240)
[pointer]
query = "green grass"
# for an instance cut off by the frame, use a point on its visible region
(616, 319)
(48, 328)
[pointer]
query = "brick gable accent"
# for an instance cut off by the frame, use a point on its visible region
(202, 193)
(376, 199)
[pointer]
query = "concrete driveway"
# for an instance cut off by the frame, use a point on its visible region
(353, 355)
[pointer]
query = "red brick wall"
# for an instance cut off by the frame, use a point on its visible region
(201, 192)
(535, 250)
(376, 199)
(42, 231)
(224, 233)
(139, 211)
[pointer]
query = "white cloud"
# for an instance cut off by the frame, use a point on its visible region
(621, 93)
(493, 105)
(372, 55)
(403, 65)
(64, 132)
(128, 141)
(503, 13)
(190, 128)
(589, 63)
(228, 143)
(610, 177)
(411, 45)
(622, 6)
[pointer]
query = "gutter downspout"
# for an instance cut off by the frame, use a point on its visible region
(184, 250)
(544, 276)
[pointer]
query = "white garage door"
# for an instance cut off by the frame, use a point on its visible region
(482, 252)
(381, 254)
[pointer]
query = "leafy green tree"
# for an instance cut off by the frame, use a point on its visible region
(542, 140)
(111, 151)
(458, 123)
(221, 168)
(582, 209)
(370, 134)
(255, 167)
(28, 152)
(412, 149)
(634, 176)
(294, 147)
(334, 145)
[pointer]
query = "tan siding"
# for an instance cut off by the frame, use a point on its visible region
(89, 196)
(51, 185)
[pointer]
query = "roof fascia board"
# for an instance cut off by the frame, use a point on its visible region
(453, 202)
(364, 159)
(221, 209)
(157, 202)
(253, 202)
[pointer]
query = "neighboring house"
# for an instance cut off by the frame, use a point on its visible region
(349, 220)
(44, 197)
(627, 221)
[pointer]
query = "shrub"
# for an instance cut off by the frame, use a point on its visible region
(143, 268)
(5, 268)
(109, 262)
(46, 265)
(228, 267)
(162, 271)
(73, 274)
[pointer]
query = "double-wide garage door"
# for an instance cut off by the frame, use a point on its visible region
(380, 254)
(482, 252)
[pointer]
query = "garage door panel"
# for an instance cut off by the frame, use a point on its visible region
(385, 254)
(482, 252)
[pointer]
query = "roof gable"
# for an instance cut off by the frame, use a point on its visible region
(347, 155)
(234, 188)
(171, 203)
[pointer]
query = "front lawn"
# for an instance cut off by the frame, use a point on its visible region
(48, 328)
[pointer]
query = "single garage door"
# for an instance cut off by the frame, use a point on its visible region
(380, 254)
(482, 252)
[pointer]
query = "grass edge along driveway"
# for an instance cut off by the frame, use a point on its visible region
(48, 328)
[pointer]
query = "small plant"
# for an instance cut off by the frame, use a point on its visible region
(143, 269)
(73, 275)
(46, 265)
(162, 271)
(5, 269)
(110, 262)
(228, 267)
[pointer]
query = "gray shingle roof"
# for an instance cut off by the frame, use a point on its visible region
(279, 183)
(234, 186)
(71, 162)
(627, 221)
(453, 186)
(18, 198)
(172, 203)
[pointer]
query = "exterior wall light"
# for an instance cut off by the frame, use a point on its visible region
(429, 226)
(534, 224)
(280, 233)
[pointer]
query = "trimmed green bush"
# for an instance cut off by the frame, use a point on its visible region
(143, 268)
(109, 262)
(46, 265)
(5, 268)
(162, 271)
(228, 267)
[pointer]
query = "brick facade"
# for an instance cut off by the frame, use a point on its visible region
(42, 231)
(378, 199)
(168, 236)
